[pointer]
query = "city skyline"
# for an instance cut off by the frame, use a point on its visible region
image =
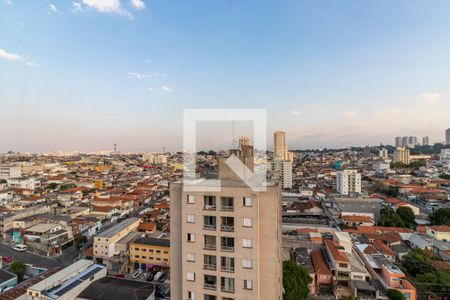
(83, 75)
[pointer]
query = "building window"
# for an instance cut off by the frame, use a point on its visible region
(210, 242)
(227, 204)
(191, 276)
(247, 222)
(227, 264)
(227, 284)
(209, 262)
(190, 256)
(247, 243)
(343, 265)
(209, 202)
(190, 218)
(209, 222)
(191, 237)
(248, 284)
(227, 244)
(247, 201)
(247, 263)
(191, 296)
(190, 199)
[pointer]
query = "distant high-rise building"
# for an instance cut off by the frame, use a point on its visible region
(226, 244)
(398, 141)
(284, 169)
(425, 141)
(401, 154)
(447, 136)
(383, 153)
(405, 141)
(348, 181)
(280, 147)
(244, 141)
(412, 142)
(366, 151)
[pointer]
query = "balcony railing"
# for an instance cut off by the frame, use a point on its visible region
(209, 247)
(227, 268)
(209, 267)
(227, 228)
(210, 286)
(227, 289)
(227, 207)
(209, 207)
(227, 248)
(209, 226)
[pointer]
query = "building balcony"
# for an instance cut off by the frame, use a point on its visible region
(227, 289)
(210, 286)
(210, 267)
(209, 226)
(227, 268)
(209, 207)
(227, 248)
(227, 207)
(227, 228)
(210, 247)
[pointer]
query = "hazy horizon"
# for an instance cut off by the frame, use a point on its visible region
(87, 74)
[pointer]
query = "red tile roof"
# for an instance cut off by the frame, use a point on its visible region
(319, 263)
(337, 254)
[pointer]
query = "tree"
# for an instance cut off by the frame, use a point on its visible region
(390, 218)
(407, 215)
(296, 281)
(437, 282)
(440, 217)
(18, 268)
(80, 240)
(417, 262)
(395, 295)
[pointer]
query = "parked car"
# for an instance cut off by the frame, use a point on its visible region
(137, 274)
(7, 259)
(162, 292)
(120, 275)
(20, 247)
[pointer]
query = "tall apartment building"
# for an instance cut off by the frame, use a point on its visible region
(156, 159)
(383, 153)
(425, 141)
(447, 136)
(226, 245)
(280, 147)
(284, 169)
(10, 171)
(244, 141)
(398, 141)
(401, 154)
(348, 181)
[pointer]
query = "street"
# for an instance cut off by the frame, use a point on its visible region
(40, 261)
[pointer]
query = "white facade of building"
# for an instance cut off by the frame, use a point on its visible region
(9, 171)
(348, 181)
(155, 159)
(284, 168)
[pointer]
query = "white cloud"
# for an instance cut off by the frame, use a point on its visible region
(9, 2)
(430, 97)
(151, 89)
(148, 60)
(53, 8)
(350, 114)
(15, 57)
(76, 6)
(108, 6)
(295, 112)
(138, 4)
(10, 56)
(146, 75)
(166, 88)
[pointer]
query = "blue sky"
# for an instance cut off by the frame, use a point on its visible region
(86, 74)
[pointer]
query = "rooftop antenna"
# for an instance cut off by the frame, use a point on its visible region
(115, 148)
